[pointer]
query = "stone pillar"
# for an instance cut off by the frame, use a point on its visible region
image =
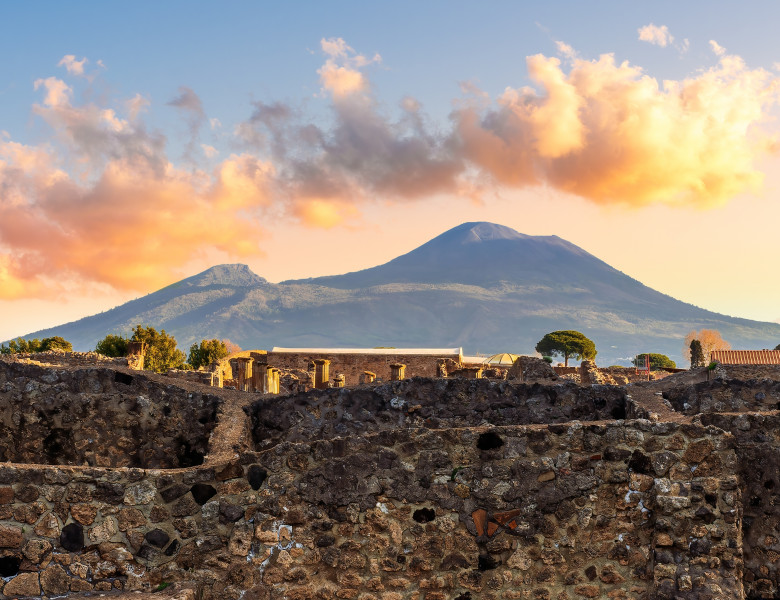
(275, 373)
(338, 381)
(367, 377)
(268, 379)
(244, 373)
(321, 373)
(135, 355)
(397, 372)
(258, 376)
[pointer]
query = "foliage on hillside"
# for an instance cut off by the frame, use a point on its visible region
(22, 346)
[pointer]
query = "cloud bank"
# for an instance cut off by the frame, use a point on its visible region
(103, 203)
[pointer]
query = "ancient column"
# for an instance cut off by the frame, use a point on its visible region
(321, 372)
(338, 381)
(268, 380)
(276, 378)
(244, 373)
(397, 371)
(367, 377)
(258, 376)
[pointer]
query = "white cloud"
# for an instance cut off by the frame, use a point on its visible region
(653, 34)
(717, 48)
(73, 66)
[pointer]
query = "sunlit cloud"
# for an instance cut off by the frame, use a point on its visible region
(104, 192)
(73, 66)
(618, 136)
(717, 48)
(653, 34)
(340, 75)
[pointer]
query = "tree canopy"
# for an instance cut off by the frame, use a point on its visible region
(207, 352)
(710, 339)
(657, 361)
(696, 354)
(160, 353)
(112, 345)
(22, 346)
(566, 344)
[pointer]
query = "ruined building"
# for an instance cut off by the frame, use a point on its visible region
(429, 488)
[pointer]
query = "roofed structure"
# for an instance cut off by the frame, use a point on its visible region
(746, 357)
(409, 351)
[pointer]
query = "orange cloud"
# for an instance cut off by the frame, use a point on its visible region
(608, 132)
(131, 229)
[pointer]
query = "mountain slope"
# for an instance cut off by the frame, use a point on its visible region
(482, 286)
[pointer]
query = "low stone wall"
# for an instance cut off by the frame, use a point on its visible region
(100, 416)
(431, 403)
(725, 395)
(352, 366)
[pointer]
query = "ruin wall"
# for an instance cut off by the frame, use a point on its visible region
(621, 510)
(352, 366)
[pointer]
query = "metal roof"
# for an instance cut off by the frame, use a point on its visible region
(746, 357)
(427, 351)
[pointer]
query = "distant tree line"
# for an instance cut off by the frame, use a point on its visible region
(161, 352)
(22, 346)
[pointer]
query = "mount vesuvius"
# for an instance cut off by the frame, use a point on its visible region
(481, 286)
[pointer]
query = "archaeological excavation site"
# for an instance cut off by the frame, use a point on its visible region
(392, 480)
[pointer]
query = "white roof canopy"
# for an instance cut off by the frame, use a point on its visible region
(407, 351)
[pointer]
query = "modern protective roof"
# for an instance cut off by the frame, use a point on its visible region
(407, 351)
(505, 359)
(746, 357)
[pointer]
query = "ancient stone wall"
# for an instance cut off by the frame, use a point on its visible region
(758, 467)
(431, 403)
(725, 395)
(101, 417)
(422, 489)
(561, 511)
(352, 366)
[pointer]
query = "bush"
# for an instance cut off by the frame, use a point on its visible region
(112, 346)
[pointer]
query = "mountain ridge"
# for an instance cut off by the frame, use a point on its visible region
(479, 285)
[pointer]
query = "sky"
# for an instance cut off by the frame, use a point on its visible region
(143, 142)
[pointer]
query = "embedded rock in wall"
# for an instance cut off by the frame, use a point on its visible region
(530, 368)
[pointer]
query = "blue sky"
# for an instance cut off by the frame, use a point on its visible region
(199, 71)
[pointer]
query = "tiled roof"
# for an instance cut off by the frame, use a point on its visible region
(746, 357)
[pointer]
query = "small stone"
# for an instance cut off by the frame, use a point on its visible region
(84, 513)
(48, 526)
(103, 532)
(157, 537)
(548, 476)
(130, 518)
(24, 584)
(35, 550)
(588, 591)
(10, 537)
(141, 493)
(54, 580)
